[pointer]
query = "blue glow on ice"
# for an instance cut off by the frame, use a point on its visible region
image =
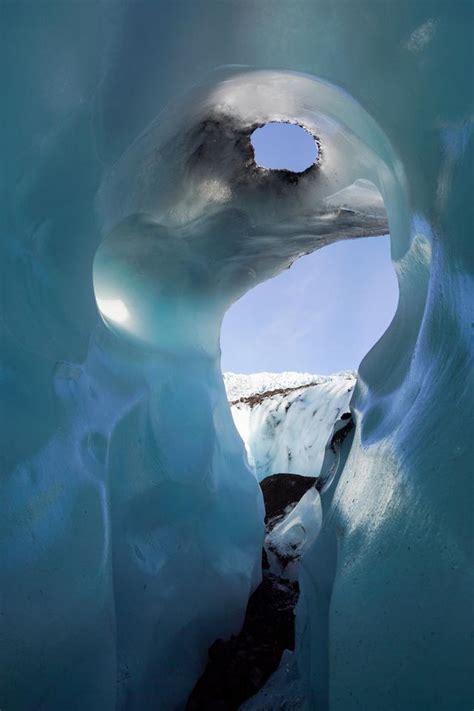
(131, 525)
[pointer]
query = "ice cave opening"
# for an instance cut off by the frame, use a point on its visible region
(291, 348)
(322, 315)
(280, 145)
(185, 237)
(132, 525)
(293, 345)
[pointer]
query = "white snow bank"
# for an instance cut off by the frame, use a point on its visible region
(287, 432)
(241, 385)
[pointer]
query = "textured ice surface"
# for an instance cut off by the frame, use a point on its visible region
(287, 429)
(130, 530)
(291, 537)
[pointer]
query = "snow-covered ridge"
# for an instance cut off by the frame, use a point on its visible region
(240, 385)
(287, 419)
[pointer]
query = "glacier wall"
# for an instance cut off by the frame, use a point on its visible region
(190, 222)
(100, 500)
(286, 420)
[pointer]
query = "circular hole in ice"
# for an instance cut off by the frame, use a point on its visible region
(284, 146)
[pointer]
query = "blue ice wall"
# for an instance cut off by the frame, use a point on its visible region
(130, 525)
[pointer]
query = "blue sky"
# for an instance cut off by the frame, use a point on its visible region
(323, 314)
(320, 316)
(284, 145)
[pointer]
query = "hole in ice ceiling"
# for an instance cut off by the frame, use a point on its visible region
(284, 146)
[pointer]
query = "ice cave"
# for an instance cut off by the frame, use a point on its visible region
(141, 533)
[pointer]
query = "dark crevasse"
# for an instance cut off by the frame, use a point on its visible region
(239, 667)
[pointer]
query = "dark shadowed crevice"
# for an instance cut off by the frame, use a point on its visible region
(239, 667)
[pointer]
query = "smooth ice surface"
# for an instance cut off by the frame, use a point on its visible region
(287, 430)
(130, 526)
(200, 223)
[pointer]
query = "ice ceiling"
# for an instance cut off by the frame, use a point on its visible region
(131, 526)
(195, 222)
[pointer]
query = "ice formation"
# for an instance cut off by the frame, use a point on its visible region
(287, 419)
(283, 691)
(290, 538)
(131, 527)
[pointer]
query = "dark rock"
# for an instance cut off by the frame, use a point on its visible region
(340, 435)
(239, 667)
(265, 563)
(283, 490)
(258, 398)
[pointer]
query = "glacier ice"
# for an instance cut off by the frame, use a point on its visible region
(286, 420)
(293, 424)
(292, 537)
(122, 473)
(283, 691)
(131, 520)
(191, 222)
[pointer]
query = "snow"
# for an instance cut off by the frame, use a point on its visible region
(287, 430)
(240, 385)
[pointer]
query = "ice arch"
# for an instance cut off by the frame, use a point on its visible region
(194, 222)
(191, 222)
